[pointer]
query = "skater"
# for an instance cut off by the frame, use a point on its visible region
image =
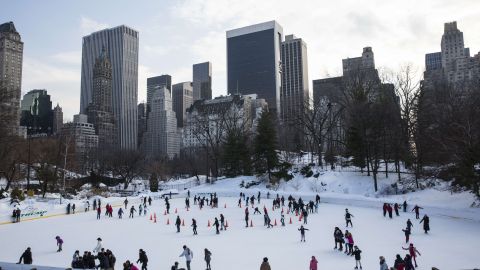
(348, 218)
(413, 253)
(222, 223)
(149, 201)
(216, 223)
(120, 212)
(87, 206)
(143, 259)
(350, 242)
(338, 236)
(356, 252)
(383, 263)
(396, 207)
(73, 209)
(265, 265)
(313, 263)
(59, 243)
(194, 225)
(188, 256)
(282, 220)
(305, 215)
(407, 234)
(99, 212)
(404, 206)
(26, 257)
(256, 211)
(417, 211)
(246, 217)
(188, 193)
(389, 209)
(132, 210)
(408, 262)
(409, 225)
(68, 209)
(399, 264)
(208, 258)
(98, 247)
(426, 223)
(140, 210)
(17, 215)
(125, 203)
(302, 233)
(384, 209)
(178, 222)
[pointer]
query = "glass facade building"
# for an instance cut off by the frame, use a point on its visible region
(202, 81)
(254, 62)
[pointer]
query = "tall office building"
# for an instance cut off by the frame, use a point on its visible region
(157, 82)
(254, 62)
(121, 44)
(11, 58)
(57, 120)
(37, 112)
(161, 138)
(142, 120)
(100, 112)
(182, 97)
(294, 96)
(202, 81)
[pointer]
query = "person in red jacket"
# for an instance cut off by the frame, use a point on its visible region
(413, 253)
(313, 263)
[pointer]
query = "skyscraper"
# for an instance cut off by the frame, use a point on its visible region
(202, 81)
(254, 62)
(155, 82)
(100, 112)
(121, 44)
(182, 97)
(37, 112)
(57, 120)
(294, 95)
(142, 120)
(11, 58)
(161, 138)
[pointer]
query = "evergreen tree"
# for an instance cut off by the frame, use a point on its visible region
(355, 148)
(265, 155)
(236, 155)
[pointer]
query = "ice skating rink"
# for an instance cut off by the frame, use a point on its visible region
(451, 243)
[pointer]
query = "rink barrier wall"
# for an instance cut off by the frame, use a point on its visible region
(14, 266)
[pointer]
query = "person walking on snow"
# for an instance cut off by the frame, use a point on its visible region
(178, 222)
(417, 211)
(356, 252)
(98, 247)
(302, 233)
(208, 258)
(59, 243)
(348, 218)
(188, 256)
(132, 210)
(413, 253)
(426, 223)
(313, 263)
(194, 225)
(143, 259)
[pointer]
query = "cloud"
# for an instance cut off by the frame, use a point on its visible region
(71, 57)
(88, 25)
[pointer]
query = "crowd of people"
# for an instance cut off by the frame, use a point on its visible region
(101, 258)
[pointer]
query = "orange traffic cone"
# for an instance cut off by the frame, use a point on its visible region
(154, 215)
(165, 213)
(155, 220)
(296, 213)
(208, 224)
(183, 222)
(275, 224)
(251, 223)
(151, 218)
(290, 220)
(226, 224)
(168, 221)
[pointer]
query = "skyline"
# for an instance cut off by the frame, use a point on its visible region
(174, 35)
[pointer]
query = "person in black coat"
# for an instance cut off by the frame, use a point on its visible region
(178, 222)
(217, 224)
(356, 252)
(426, 223)
(26, 256)
(143, 259)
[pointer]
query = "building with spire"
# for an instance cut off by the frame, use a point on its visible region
(11, 59)
(100, 112)
(57, 120)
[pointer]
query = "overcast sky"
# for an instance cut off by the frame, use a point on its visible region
(176, 34)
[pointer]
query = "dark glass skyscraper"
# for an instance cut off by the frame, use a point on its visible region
(157, 82)
(202, 81)
(254, 61)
